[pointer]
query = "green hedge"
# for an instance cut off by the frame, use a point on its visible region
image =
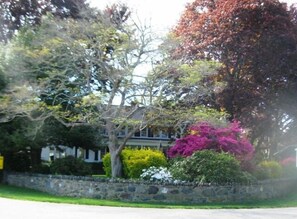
(135, 160)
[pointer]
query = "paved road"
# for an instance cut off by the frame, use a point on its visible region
(15, 209)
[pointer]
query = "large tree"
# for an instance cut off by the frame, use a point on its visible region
(256, 41)
(84, 71)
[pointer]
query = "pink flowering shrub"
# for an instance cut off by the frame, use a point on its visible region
(203, 136)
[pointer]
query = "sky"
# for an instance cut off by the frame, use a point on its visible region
(161, 14)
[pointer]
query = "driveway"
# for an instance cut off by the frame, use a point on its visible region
(15, 209)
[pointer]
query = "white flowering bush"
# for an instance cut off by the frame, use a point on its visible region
(160, 174)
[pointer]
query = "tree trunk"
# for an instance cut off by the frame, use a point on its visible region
(116, 164)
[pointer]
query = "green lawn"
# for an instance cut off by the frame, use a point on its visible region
(33, 195)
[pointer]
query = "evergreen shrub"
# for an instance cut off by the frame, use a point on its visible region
(43, 168)
(70, 166)
(209, 166)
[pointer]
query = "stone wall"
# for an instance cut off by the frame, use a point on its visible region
(150, 192)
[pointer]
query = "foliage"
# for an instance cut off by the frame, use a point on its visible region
(107, 164)
(52, 132)
(2, 81)
(20, 136)
(208, 166)
(156, 174)
(73, 70)
(185, 82)
(256, 43)
(135, 160)
(70, 166)
(42, 168)
(203, 136)
(269, 170)
(18, 161)
(26, 137)
(186, 90)
(16, 135)
(86, 136)
(179, 118)
(289, 167)
(16, 14)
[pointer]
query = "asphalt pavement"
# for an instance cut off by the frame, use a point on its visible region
(16, 209)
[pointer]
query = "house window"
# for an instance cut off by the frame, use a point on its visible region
(87, 154)
(150, 133)
(96, 155)
(163, 134)
(122, 132)
(137, 134)
(143, 132)
(156, 134)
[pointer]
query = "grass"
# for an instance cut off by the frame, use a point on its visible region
(13, 192)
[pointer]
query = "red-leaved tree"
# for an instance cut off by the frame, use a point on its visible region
(256, 41)
(204, 136)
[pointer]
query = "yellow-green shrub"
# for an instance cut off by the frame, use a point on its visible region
(269, 170)
(107, 164)
(135, 160)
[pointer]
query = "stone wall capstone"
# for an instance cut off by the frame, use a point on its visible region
(136, 191)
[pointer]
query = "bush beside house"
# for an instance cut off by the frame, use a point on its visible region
(70, 166)
(135, 160)
(208, 166)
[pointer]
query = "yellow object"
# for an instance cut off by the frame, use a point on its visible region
(1, 162)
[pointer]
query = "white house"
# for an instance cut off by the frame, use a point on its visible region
(147, 137)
